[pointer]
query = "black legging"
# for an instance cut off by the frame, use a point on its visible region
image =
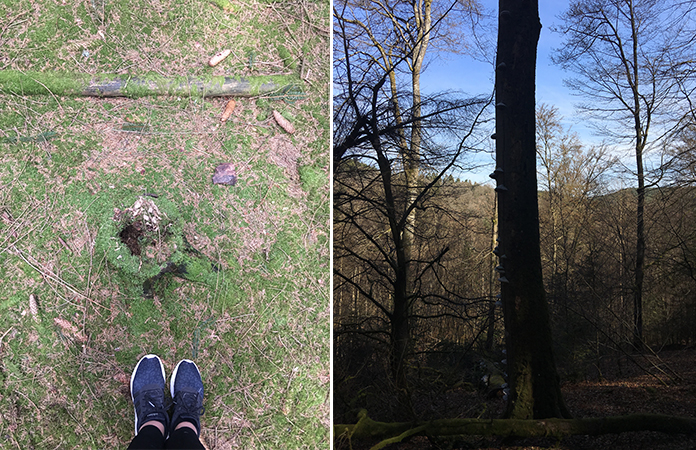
(150, 437)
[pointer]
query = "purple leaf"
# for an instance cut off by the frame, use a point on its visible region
(225, 174)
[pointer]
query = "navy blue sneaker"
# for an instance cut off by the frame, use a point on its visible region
(148, 385)
(186, 388)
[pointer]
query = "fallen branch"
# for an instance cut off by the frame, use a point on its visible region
(367, 428)
(112, 85)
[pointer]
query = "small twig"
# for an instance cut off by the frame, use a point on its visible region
(65, 244)
(12, 23)
(52, 94)
(321, 30)
(80, 424)
(16, 225)
(38, 411)
(265, 356)
(266, 309)
(60, 296)
(91, 261)
(292, 375)
(52, 276)
(5, 334)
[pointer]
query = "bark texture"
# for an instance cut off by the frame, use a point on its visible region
(533, 379)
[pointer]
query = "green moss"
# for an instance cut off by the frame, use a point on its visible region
(62, 83)
(63, 189)
(41, 83)
(195, 268)
(225, 5)
(287, 58)
(11, 302)
(143, 272)
(313, 179)
(145, 316)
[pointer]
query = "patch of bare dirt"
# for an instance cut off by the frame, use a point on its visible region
(284, 154)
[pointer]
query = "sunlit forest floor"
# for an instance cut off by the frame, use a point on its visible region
(624, 388)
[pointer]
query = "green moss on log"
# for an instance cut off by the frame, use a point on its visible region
(42, 83)
(367, 428)
(111, 85)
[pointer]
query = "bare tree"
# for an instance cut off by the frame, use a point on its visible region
(571, 176)
(384, 125)
(682, 164)
(631, 58)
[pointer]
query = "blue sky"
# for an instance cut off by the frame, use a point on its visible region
(477, 77)
(456, 72)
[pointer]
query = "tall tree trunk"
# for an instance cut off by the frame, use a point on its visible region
(404, 285)
(400, 314)
(533, 379)
(641, 133)
(400, 341)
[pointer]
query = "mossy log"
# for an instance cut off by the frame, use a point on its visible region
(367, 428)
(112, 85)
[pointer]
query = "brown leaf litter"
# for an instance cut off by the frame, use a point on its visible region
(283, 153)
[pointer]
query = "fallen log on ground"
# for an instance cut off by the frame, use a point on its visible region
(367, 428)
(113, 85)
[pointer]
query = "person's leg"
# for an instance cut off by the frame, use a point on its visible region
(149, 437)
(184, 437)
(148, 385)
(186, 387)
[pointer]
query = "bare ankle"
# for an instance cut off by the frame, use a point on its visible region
(154, 423)
(188, 425)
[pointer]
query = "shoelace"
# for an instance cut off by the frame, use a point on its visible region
(189, 402)
(150, 398)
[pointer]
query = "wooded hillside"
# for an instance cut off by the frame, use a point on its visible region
(587, 265)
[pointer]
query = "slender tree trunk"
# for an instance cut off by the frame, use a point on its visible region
(400, 314)
(640, 258)
(399, 320)
(533, 380)
(492, 291)
(641, 135)
(404, 286)
(400, 336)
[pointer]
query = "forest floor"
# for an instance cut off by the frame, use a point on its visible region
(73, 317)
(624, 389)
